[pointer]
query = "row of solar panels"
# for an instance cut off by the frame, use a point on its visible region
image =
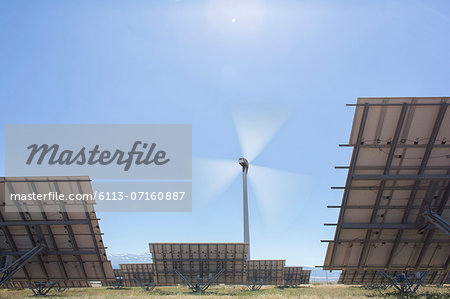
(64, 245)
(394, 214)
(268, 272)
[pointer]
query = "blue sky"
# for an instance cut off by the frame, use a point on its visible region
(199, 62)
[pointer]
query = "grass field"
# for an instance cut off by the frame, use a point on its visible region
(316, 291)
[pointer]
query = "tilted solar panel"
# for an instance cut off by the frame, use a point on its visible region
(295, 276)
(17, 284)
(395, 202)
(65, 246)
(373, 277)
(305, 276)
(199, 261)
(135, 275)
(267, 272)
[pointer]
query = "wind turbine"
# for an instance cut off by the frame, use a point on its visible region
(255, 129)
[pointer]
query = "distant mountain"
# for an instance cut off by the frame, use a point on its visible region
(129, 258)
(317, 275)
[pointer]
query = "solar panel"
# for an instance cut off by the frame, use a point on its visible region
(13, 284)
(137, 275)
(395, 204)
(65, 247)
(265, 272)
(117, 273)
(305, 276)
(437, 278)
(294, 276)
(373, 277)
(199, 263)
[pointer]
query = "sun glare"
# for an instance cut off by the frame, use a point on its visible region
(248, 12)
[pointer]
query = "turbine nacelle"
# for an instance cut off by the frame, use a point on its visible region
(243, 162)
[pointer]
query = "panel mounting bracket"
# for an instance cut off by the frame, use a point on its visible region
(202, 283)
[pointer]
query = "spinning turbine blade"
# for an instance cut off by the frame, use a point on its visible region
(280, 194)
(213, 176)
(256, 126)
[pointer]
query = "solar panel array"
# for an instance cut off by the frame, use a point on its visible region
(194, 260)
(69, 249)
(373, 277)
(268, 272)
(399, 170)
(72, 251)
(295, 276)
(136, 274)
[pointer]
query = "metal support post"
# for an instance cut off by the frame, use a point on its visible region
(405, 284)
(202, 285)
(146, 286)
(41, 288)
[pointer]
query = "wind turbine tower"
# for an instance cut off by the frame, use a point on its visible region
(244, 163)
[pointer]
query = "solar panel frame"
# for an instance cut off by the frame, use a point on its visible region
(137, 271)
(269, 272)
(305, 276)
(20, 284)
(74, 246)
(391, 165)
(373, 277)
(437, 278)
(295, 276)
(193, 259)
(117, 273)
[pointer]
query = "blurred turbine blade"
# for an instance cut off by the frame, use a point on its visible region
(256, 126)
(280, 195)
(211, 177)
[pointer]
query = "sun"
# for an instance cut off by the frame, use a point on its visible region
(224, 16)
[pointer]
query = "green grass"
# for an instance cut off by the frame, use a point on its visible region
(222, 292)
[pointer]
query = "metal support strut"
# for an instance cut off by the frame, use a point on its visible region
(59, 288)
(287, 283)
(405, 284)
(257, 284)
(41, 288)
(146, 285)
(118, 282)
(437, 221)
(202, 283)
(9, 270)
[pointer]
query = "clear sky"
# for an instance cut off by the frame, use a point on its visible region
(264, 78)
